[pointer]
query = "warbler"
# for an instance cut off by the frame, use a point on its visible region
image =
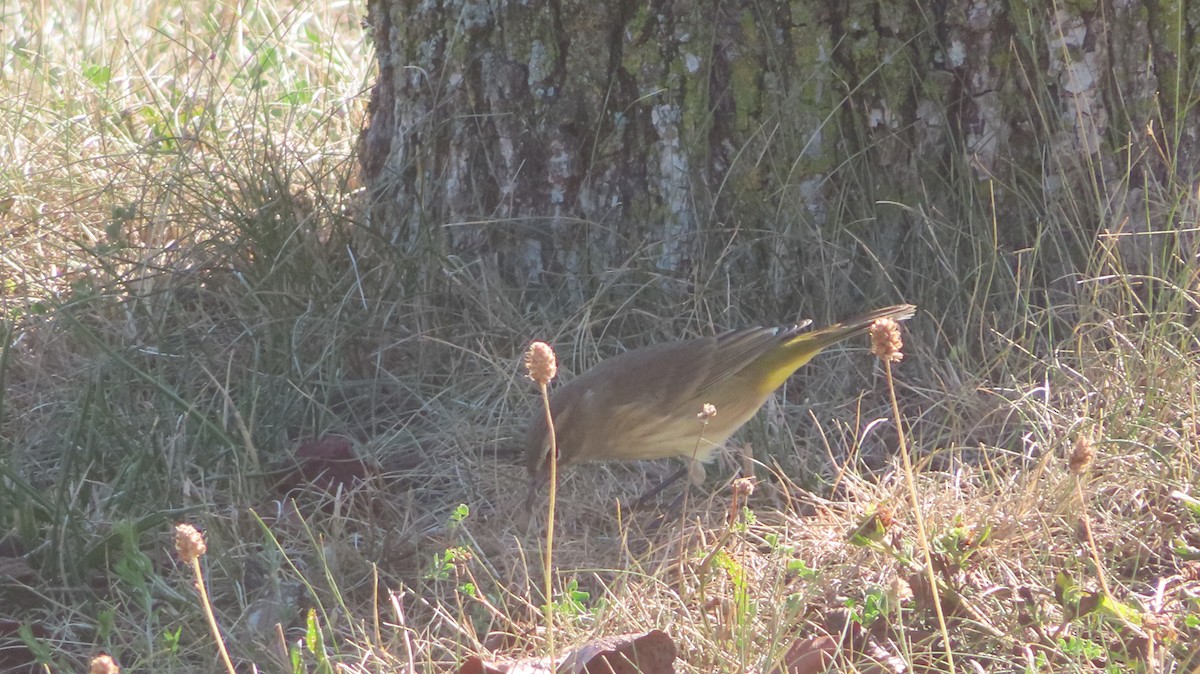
(645, 403)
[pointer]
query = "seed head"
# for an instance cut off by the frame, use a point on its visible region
(189, 543)
(873, 528)
(707, 412)
(1082, 455)
(885, 340)
(899, 591)
(887, 519)
(743, 487)
(103, 664)
(540, 363)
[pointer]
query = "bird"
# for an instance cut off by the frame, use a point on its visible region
(644, 403)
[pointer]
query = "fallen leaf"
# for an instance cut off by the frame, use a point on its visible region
(808, 656)
(15, 655)
(650, 653)
(16, 568)
(326, 464)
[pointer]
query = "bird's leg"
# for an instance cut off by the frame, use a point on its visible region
(657, 489)
(537, 483)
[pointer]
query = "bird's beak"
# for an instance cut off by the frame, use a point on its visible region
(537, 484)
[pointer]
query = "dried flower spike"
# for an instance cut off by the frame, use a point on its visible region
(189, 543)
(707, 412)
(1082, 455)
(873, 528)
(743, 487)
(885, 340)
(103, 664)
(540, 363)
(899, 591)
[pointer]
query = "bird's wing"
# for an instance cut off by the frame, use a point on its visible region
(649, 375)
(736, 349)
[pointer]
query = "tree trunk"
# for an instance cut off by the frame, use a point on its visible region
(776, 148)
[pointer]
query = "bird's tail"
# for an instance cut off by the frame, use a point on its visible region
(797, 350)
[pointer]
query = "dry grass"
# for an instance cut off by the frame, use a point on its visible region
(189, 294)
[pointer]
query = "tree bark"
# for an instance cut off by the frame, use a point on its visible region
(776, 146)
